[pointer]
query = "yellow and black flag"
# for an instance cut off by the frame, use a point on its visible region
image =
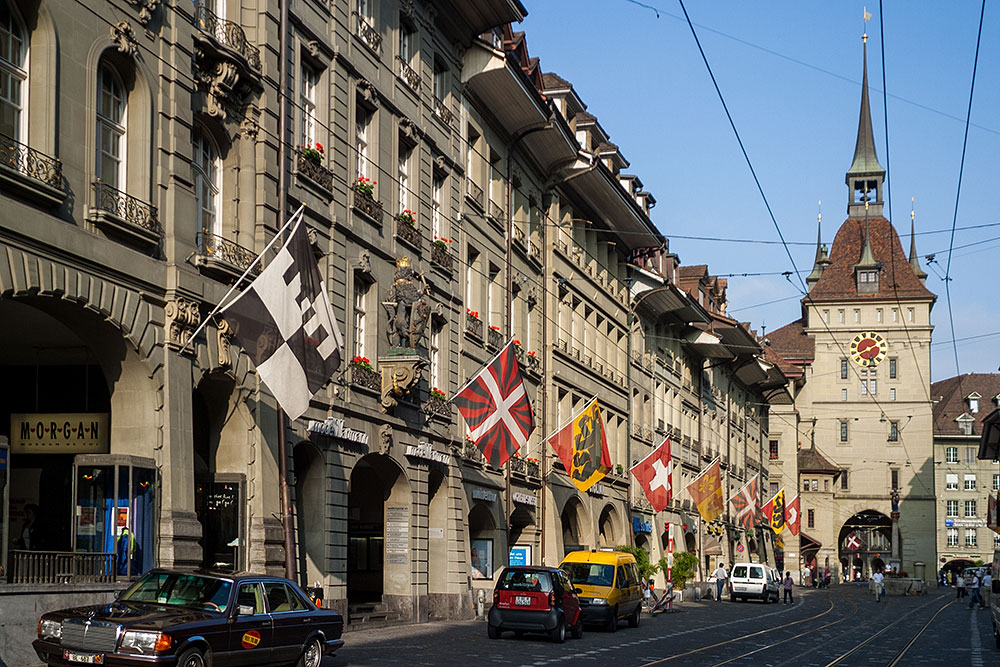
(583, 448)
(774, 512)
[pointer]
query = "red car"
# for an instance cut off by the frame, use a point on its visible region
(535, 599)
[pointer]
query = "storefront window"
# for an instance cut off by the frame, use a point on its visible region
(218, 503)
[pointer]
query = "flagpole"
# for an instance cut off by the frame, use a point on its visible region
(286, 500)
(473, 378)
(654, 450)
(568, 421)
(236, 285)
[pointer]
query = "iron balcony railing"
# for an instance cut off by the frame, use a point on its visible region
(123, 205)
(60, 567)
(31, 163)
(441, 256)
(443, 112)
(226, 33)
(409, 232)
(222, 249)
(474, 193)
(368, 34)
(315, 172)
(408, 74)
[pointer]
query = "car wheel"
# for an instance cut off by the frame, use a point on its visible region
(767, 598)
(732, 597)
(559, 632)
(743, 598)
(613, 623)
(633, 620)
(191, 658)
(493, 631)
(312, 654)
(518, 633)
(577, 630)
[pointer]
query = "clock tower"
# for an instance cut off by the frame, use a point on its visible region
(859, 359)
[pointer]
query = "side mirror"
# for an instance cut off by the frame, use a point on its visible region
(580, 590)
(244, 610)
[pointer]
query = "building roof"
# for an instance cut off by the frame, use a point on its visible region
(950, 402)
(553, 82)
(897, 278)
(812, 460)
(792, 343)
(865, 159)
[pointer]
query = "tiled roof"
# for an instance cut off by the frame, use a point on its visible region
(698, 271)
(792, 343)
(811, 460)
(949, 397)
(784, 366)
(607, 147)
(838, 282)
(555, 82)
(585, 117)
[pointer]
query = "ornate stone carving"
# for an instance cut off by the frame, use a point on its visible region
(249, 127)
(182, 318)
(532, 296)
(146, 9)
(385, 439)
(400, 376)
(407, 306)
(220, 80)
(441, 162)
(313, 46)
(365, 262)
(124, 37)
(367, 93)
(224, 333)
(409, 130)
(408, 8)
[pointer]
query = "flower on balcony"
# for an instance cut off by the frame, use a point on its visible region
(437, 393)
(408, 217)
(531, 353)
(362, 362)
(365, 186)
(531, 460)
(441, 242)
(314, 155)
(472, 313)
(517, 343)
(494, 327)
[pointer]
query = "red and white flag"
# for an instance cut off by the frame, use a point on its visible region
(747, 504)
(793, 516)
(496, 408)
(853, 542)
(653, 473)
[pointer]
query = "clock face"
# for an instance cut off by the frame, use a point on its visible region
(868, 349)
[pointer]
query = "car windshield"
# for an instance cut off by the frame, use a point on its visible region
(181, 590)
(518, 580)
(591, 574)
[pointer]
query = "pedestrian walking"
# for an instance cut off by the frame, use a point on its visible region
(986, 589)
(805, 575)
(786, 585)
(959, 586)
(877, 586)
(720, 582)
(647, 593)
(973, 587)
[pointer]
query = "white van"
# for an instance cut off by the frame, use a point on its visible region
(753, 580)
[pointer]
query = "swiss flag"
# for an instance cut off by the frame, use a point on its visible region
(793, 516)
(653, 473)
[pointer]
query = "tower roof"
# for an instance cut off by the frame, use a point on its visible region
(865, 159)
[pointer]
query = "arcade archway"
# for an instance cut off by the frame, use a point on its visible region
(310, 500)
(573, 520)
(865, 544)
(607, 524)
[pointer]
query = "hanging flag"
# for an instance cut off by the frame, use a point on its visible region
(774, 512)
(285, 323)
(854, 542)
(496, 408)
(747, 504)
(867, 14)
(653, 473)
(991, 517)
(706, 491)
(793, 516)
(583, 448)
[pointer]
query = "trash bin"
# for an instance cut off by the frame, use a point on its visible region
(919, 569)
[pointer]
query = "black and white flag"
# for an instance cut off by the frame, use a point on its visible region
(285, 323)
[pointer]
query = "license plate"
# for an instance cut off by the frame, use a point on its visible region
(522, 600)
(84, 658)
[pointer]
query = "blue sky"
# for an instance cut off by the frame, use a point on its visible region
(791, 74)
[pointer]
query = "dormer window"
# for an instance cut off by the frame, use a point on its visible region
(973, 401)
(965, 423)
(868, 276)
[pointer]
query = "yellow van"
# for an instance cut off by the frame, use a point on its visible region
(610, 589)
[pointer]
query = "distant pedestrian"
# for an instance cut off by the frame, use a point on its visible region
(959, 586)
(973, 587)
(647, 593)
(786, 585)
(805, 575)
(985, 589)
(877, 586)
(720, 582)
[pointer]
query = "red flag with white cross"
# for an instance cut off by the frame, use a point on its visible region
(653, 474)
(793, 516)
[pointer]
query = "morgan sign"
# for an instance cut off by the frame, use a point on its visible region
(60, 433)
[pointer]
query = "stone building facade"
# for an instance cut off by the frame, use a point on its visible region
(858, 362)
(143, 174)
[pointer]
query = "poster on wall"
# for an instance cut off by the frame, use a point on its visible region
(86, 525)
(520, 555)
(482, 559)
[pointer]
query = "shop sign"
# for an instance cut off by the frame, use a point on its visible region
(483, 494)
(60, 433)
(337, 428)
(965, 523)
(597, 490)
(424, 450)
(524, 498)
(520, 555)
(640, 526)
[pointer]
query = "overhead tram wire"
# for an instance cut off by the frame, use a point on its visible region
(958, 191)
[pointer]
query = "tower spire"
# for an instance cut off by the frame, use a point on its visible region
(914, 258)
(865, 176)
(821, 261)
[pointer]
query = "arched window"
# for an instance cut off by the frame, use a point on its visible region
(13, 73)
(206, 173)
(111, 101)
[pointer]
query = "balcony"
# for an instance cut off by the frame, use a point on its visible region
(474, 194)
(366, 204)
(368, 34)
(365, 377)
(519, 239)
(227, 66)
(316, 173)
(409, 75)
(530, 469)
(222, 257)
(534, 252)
(442, 111)
(408, 232)
(471, 453)
(441, 256)
(437, 406)
(473, 326)
(532, 364)
(122, 215)
(58, 567)
(31, 173)
(496, 214)
(494, 338)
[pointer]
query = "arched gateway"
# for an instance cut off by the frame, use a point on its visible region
(865, 544)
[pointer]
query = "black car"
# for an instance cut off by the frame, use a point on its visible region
(194, 619)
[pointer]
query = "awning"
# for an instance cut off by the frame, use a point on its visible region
(512, 98)
(486, 14)
(989, 443)
(599, 188)
(807, 543)
(658, 300)
(712, 547)
(707, 345)
(752, 372)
